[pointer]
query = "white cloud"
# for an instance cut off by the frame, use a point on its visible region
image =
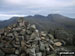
(11, 15)
(31, 7)
(36, 11)
(40, 3)
(74, 2)
(6, 16)
(13, 1)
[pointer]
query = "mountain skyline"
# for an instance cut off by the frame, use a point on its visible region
(32, 15)
(51, 21)
(11, 8)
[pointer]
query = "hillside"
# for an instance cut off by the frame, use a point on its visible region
(52, 21)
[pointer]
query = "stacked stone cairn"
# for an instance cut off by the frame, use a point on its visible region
(24, 39)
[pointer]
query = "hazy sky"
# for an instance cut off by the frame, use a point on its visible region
(10, 8)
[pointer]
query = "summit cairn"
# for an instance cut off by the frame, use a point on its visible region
(24, 39)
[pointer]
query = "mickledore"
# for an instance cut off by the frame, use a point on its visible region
(24, 39)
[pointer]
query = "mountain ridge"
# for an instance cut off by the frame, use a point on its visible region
(52, 21)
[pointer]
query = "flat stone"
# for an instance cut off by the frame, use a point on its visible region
(58, 44)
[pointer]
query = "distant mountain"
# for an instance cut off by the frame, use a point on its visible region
(8, 22)
(52, 21)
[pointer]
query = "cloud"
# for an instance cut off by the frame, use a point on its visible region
(41, 3)
(12, 15)
(10, 8)
(7, 16)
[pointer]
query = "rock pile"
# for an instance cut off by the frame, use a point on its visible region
(24, 39)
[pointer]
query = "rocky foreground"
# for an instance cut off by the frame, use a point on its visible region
(24, 39)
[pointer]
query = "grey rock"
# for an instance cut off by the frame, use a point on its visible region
(31, 52)
(51, 36)
(42, 46)
(39, 54)
(17, 52)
